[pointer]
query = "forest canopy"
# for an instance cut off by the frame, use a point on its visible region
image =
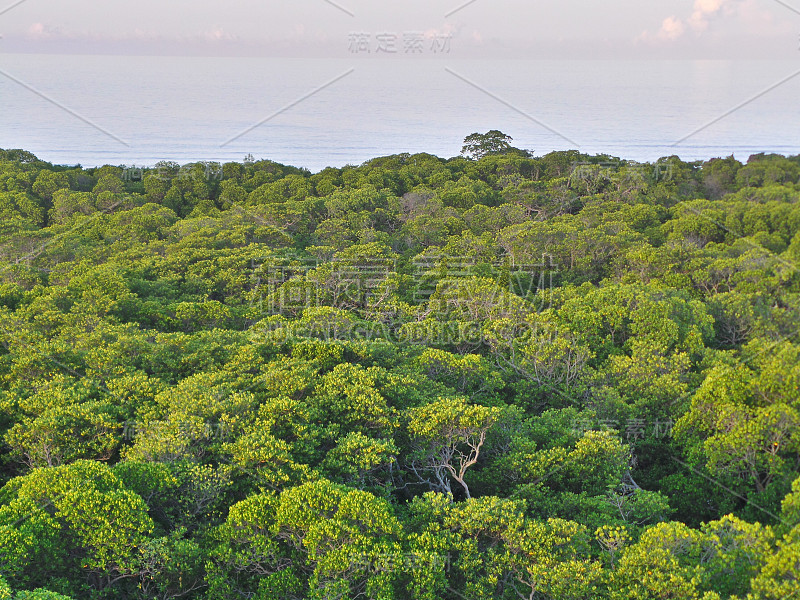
(498, 375)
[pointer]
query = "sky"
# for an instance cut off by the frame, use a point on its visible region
(491, 29)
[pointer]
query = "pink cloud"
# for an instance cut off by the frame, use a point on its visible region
(446, 30)
(37, 30)
(703, 11)
(671, 29)
(217, 35)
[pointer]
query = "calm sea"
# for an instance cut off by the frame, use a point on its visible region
(146, 109)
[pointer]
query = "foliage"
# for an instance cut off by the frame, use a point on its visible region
(498, 375)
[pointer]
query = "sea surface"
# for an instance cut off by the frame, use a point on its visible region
(313, 113)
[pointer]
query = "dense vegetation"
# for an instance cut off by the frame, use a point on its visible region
(495, 376)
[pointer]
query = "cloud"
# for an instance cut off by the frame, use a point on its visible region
(671, 29)
(217, 35)
(703, 11)
(446, 29)
(761, 20)
(40, 30)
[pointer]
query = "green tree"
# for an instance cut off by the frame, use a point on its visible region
(448, 436)
(478, 145)
(76, 522)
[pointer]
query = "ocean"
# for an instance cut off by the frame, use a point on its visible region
(313, 113)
